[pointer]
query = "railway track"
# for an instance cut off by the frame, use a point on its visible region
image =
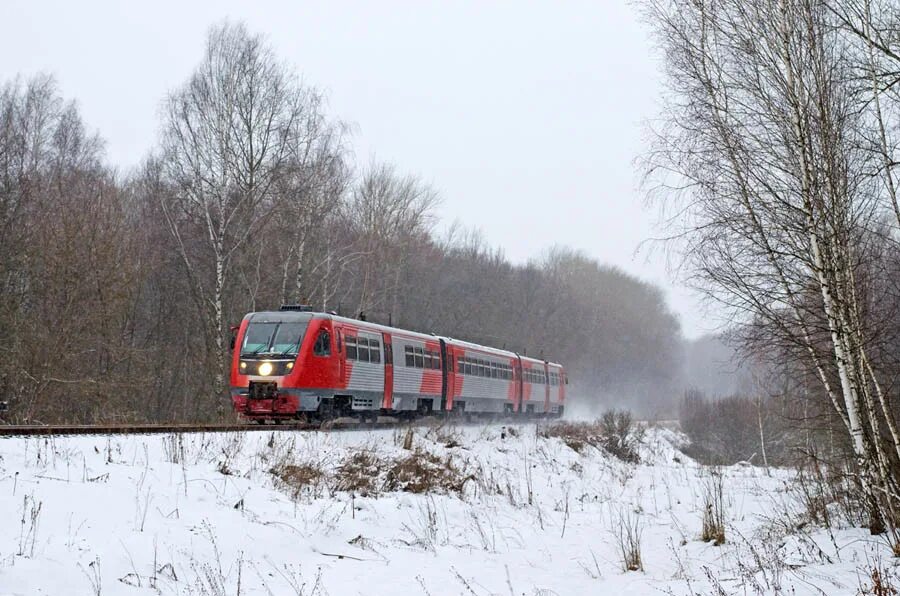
(340, 424)
(155, 429)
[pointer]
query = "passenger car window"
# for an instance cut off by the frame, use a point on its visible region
(420, 358)
(352, 350)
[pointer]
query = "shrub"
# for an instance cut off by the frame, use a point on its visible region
(620, 435)
(615, 432)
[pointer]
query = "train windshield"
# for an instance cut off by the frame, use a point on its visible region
(282, 339)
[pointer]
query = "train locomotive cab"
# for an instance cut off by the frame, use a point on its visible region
(281, 362)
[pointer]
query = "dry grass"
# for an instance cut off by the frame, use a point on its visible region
(446, 435)
(366, 473)
(422, 472)
(359, 473)
(713, 511)
(882, 581)
(577, 435)
(299, 477)
(627, 533)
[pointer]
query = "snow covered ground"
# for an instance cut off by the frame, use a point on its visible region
(205, 514)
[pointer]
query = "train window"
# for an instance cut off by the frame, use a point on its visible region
(410, 360)
(374, 350)
(437, 361)
(420, 358)
(427, 359)
(389, 354)
(339, 347)
(322, 347)
(493, 370)
(363, 355)
(467, 367)
(351, 348)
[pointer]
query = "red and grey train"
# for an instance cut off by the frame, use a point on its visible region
(296, 363)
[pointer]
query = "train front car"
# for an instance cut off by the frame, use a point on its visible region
(282, 365)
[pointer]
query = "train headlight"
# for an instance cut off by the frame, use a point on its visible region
(265, 369)
(290, 365)
(243, 366)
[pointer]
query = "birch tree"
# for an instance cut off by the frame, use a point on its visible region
(761, 162)
(228, 135)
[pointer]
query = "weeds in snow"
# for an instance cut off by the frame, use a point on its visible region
(423, 472)
(879, 580)
(300, 478)
(425, 528)
(713, 529)
(31, 516)
(173, 448)
(359, 473)
(615, 432)
(627, 530)
(93, 575)
(444, 434)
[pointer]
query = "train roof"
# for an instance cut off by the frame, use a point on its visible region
(473, 346)
(307, 315)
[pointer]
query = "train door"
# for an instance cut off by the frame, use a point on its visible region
(339, 354)
(517, 379)
(388, 372)
(546, 387)
(447, 369)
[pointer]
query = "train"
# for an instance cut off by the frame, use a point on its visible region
(297, 363)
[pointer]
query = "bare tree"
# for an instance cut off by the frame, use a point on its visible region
(388, 214)
(763, 143)
(231, 135)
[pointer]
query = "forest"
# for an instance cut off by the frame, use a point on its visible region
(120, 287)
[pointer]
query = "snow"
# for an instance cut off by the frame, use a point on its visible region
(203, 514)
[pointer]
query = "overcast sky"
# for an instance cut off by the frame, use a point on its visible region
(525, 116)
